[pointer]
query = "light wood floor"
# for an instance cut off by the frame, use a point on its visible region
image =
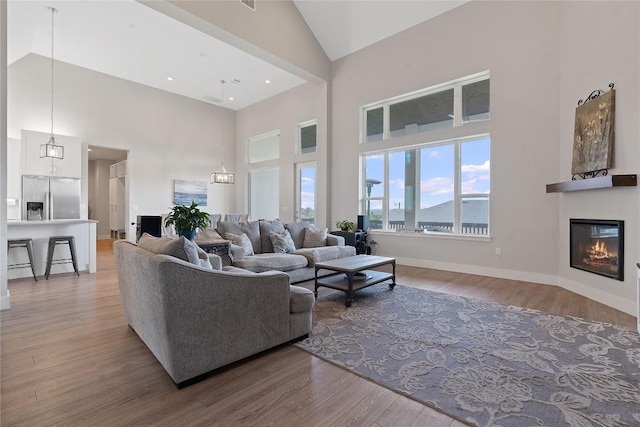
(69, 358)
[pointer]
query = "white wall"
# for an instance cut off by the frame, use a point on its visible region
(543, 57)
(168, 136)
(605, 50)
(5, 298)
(284, 112)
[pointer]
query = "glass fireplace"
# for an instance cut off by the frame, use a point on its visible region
(597, 246)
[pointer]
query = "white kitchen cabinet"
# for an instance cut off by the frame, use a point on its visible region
(32, 164)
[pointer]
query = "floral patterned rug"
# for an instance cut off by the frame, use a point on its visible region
(480, 362)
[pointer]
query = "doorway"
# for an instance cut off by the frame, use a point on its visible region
(108, 195)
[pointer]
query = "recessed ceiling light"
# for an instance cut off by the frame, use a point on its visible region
(88, 149)
(170, 78)
(231, 98)
(267, 81)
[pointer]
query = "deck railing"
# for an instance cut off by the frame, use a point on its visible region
(441, 227)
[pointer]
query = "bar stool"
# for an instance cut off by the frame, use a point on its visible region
(61, 240)
(22, 243)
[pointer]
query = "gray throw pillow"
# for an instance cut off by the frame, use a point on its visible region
(181, 248)
(314, 238)
(251, 229)
(282, 242)
(241, 240)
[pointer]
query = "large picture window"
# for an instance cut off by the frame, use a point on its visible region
(429, 186)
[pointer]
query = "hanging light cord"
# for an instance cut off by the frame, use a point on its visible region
(222, 82)
(53, 11)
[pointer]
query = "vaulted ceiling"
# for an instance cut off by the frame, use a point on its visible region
(129, 40)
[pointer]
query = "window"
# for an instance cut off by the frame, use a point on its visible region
(446, 106)
(306, 192)
(441, 187)
(306, 137)
(264, 147)
(264, 197)
(428, 186)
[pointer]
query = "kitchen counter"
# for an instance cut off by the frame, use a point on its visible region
(84, 231)
(11, 222)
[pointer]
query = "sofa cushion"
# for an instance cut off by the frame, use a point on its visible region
(325, 253)
(181, 248)
(296, 229)
(282, 242)
(251, 229)
(266, 262)
(241, 240)
(314, 238)
(302, 299)
(266, 228)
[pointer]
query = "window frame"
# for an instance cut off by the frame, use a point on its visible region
(299, 127)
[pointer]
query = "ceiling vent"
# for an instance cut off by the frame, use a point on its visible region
(251, 4)
(212, 99)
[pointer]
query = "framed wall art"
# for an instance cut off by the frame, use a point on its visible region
(186, 191)
(594, 134)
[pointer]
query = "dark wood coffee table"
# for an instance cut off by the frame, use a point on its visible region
(353, 267)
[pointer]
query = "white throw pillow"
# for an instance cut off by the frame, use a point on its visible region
(314, 238)
(282, 242)
(241, 240)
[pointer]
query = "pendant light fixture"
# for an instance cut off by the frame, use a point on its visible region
(222, 176)
(51, 150)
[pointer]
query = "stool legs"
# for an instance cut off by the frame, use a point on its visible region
(61, 240)
(28, 245)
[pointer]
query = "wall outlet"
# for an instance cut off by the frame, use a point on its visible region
(498, 251)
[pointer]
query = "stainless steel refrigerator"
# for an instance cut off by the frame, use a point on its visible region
(60, 197)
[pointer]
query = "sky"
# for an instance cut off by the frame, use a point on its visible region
(437, 173)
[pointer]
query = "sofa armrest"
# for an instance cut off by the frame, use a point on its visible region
(237, 252)
(335, 240)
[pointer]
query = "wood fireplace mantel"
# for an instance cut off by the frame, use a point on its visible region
(607, 181)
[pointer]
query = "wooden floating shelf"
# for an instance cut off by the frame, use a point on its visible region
(607, 181)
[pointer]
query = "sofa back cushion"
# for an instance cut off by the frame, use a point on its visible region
(266, 228)
(181, 248)
(296, 229)
(251, 229)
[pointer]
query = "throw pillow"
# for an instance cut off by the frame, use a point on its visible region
(314, 238)
(181, 248)
(241, 240)
(282, 242)
(296, 229)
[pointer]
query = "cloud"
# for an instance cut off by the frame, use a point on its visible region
(437, 186)
(485, 167)
(434, 154)
(307, 200)
(306, 181)
(397, 183)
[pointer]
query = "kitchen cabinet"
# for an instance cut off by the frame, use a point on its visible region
(32, 164)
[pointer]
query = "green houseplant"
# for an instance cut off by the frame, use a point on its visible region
(345, 225)
(186, 219)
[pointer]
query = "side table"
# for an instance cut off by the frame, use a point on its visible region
(220, 247)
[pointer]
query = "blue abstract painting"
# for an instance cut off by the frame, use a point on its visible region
(186, 191)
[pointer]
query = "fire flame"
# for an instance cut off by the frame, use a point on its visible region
(599, 250)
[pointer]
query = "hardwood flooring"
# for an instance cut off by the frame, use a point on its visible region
(69, 358)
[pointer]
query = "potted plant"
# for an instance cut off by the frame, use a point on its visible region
(186, 219)
(345, 225)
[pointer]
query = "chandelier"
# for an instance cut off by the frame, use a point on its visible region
(51, 150)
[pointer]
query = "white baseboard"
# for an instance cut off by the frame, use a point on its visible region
(5, 301)
(622, 304)
(103, 236)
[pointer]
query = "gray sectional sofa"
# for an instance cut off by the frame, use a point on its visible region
(311, 246)
(194, 317)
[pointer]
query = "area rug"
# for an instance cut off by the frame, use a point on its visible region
(480, 362)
